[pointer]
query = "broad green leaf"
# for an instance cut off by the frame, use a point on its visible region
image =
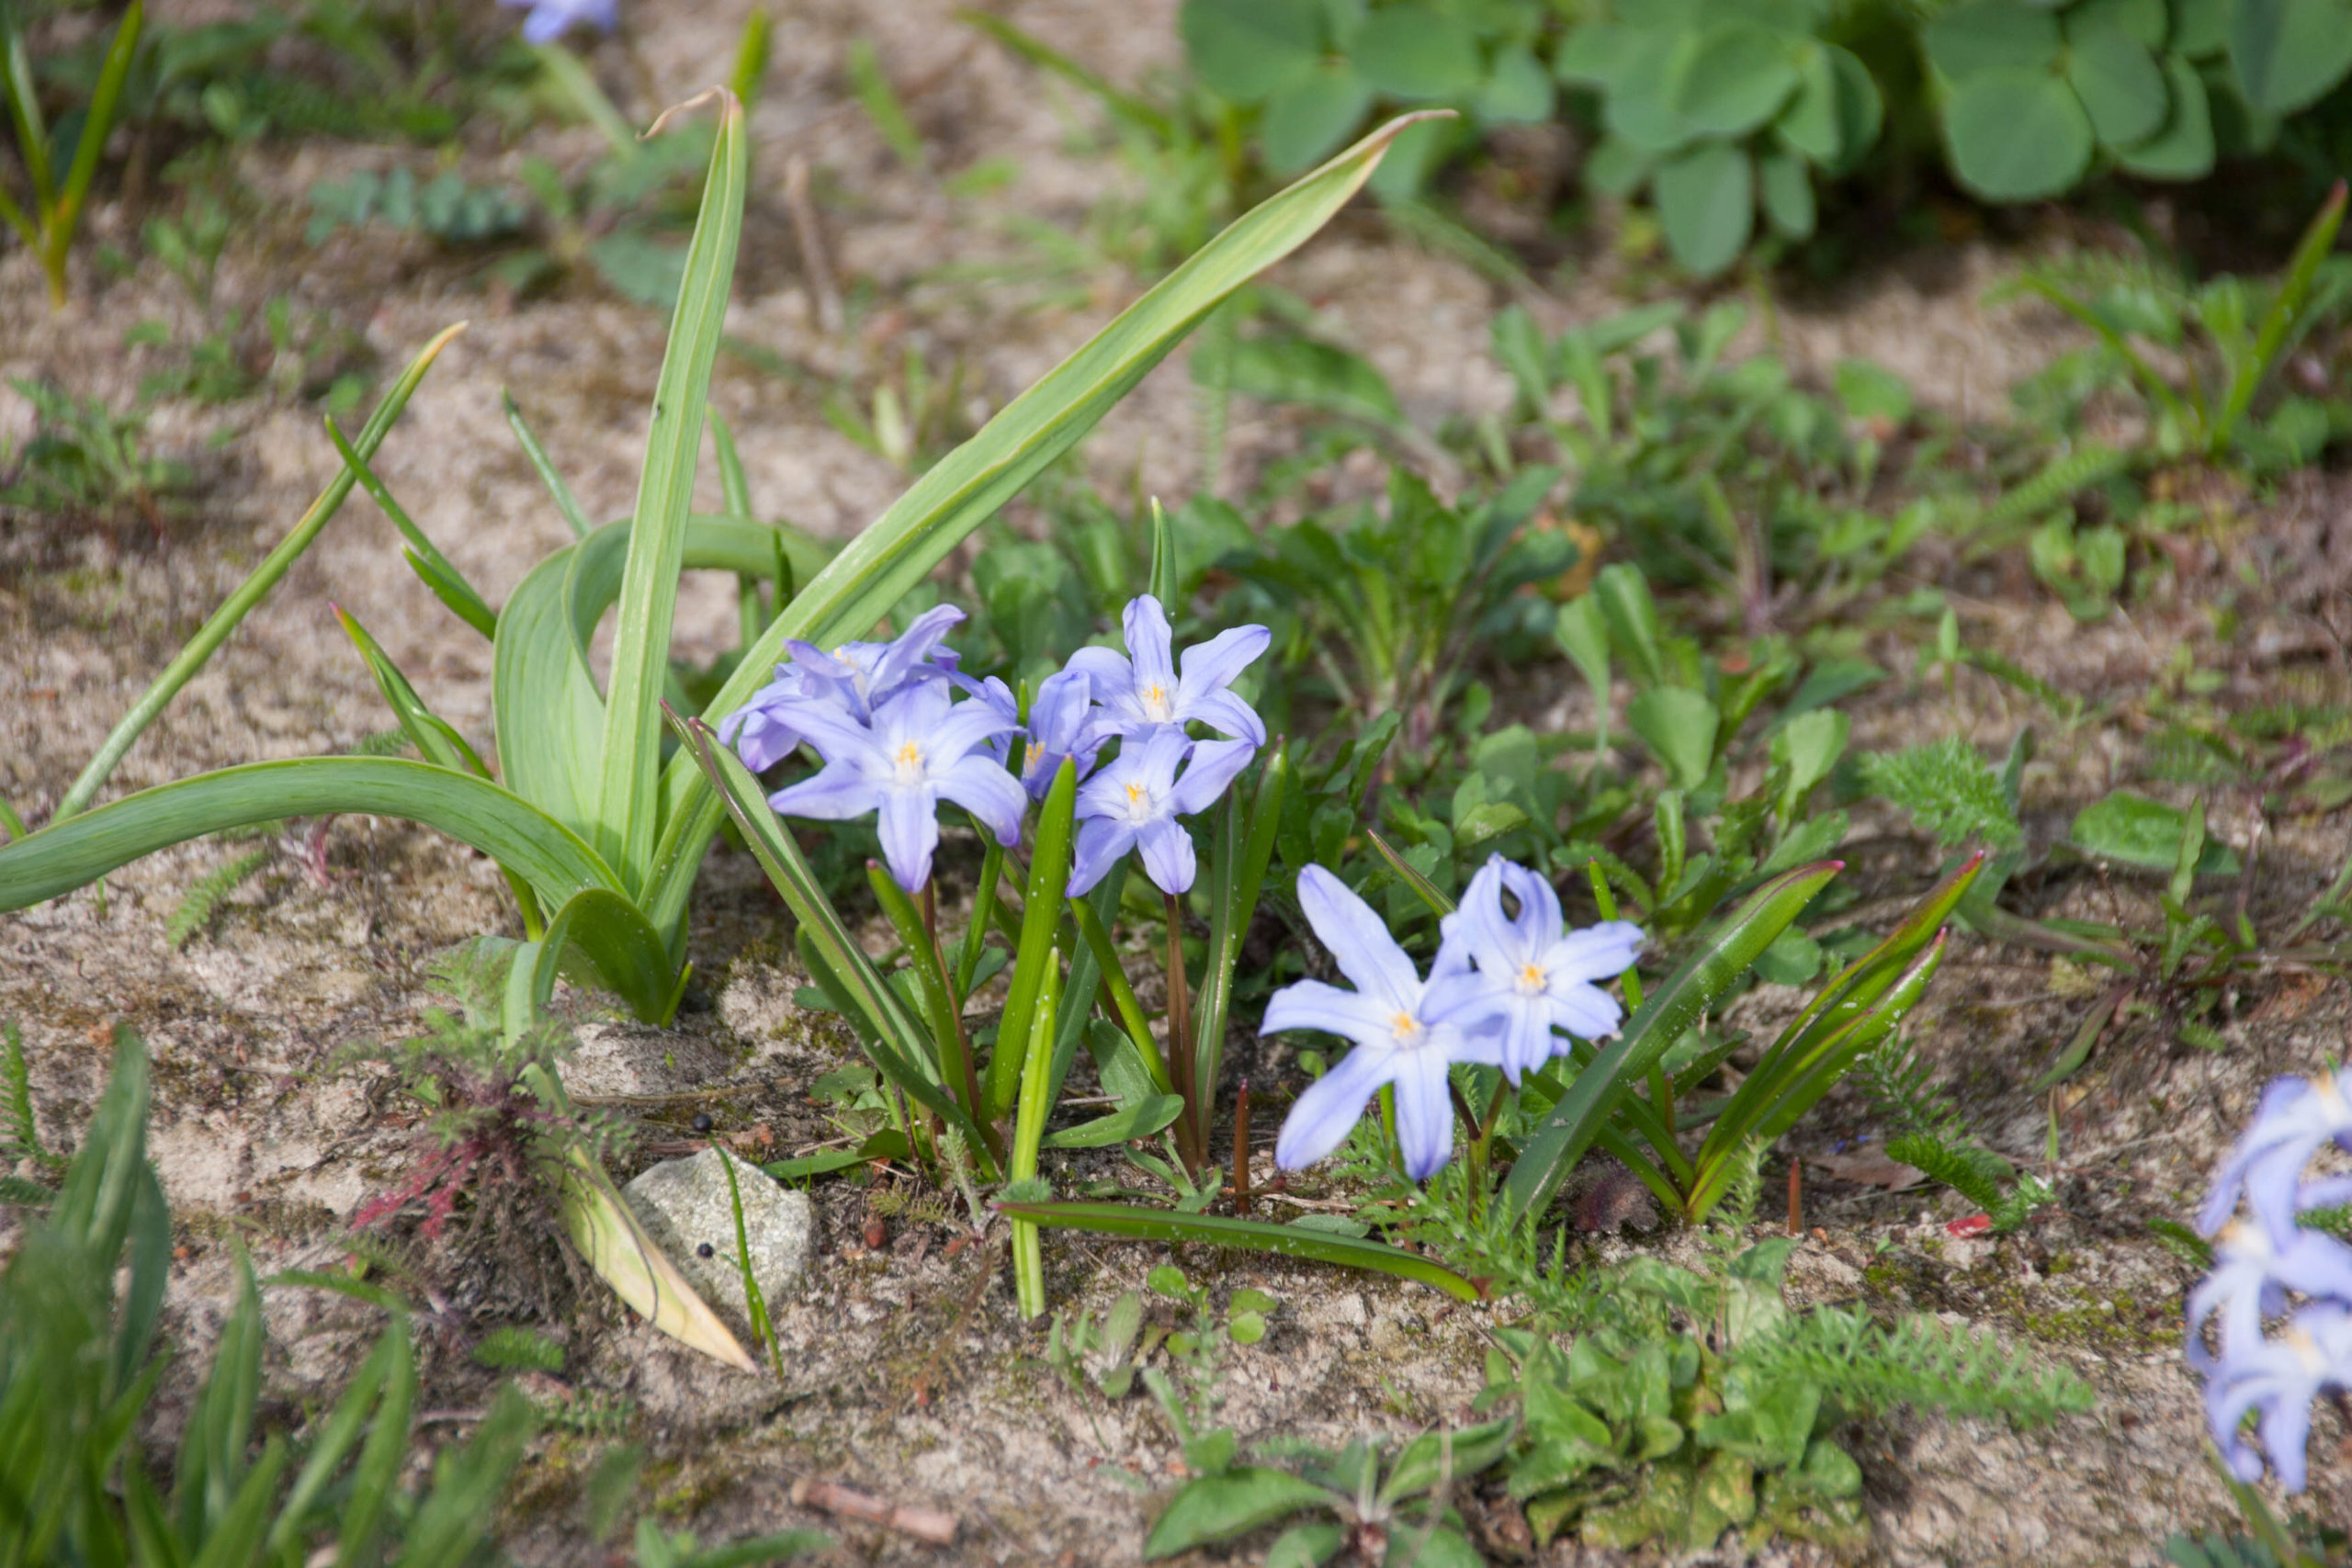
(2200, 28)
(1431, 1460)
(1624, 595)
(2016, 134)
(1735, 79)
(1809, 126)
(1706, 200)
(2131, 830)
(1311, 117)
(1219, 1507)
(1285, 368)
(2182, 149)
(1678, 727)
(1137, 1222)
(1639, 109)
(1721, 958)
(1860, 110)
(517, 835)
(1868, 390)
(1140, 1120)
(1516, 91)
(1416, 51)
(627, 825)
(604, 935)
(966, 487)
(1249, 50)
(1786, 187)
(1808, 746)
(2146, 22)
(1305, 1546)
(1582, 632)
(1992, 35)
(2121, 87)
(2287, 52)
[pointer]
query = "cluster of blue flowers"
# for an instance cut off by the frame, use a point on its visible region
(900, 728)
(895, 740)
(1504, 991)
(2259, 1262)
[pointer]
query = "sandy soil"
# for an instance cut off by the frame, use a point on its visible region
(911, 1375)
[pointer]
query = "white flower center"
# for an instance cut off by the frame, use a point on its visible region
(910, 762)
(1157, 703)
(1139, 804)
(1533, 981)
(1409, 1033)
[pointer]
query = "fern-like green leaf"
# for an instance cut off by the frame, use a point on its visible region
(2060, 481)
(1948, 790)
(1921, 1362)
(517, 1349)
(203, 900)
(1975, 1173)
(19, 1137)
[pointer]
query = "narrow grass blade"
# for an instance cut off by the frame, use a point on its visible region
(1138, 112)
(2285, 317)
(1029, 1129)
(1123, 995)
(627, 807)
(24, 108)
(950, 1049)
(1255, 1235)
(1546, 1158)
(97, 124)
(66, 855)
(344, 1428)
(376, 1476)
(425, 557)
(970, 484)
(265, 577)
(440, 743)
(572, 75)
(1140, 1120)
(1429, 892)
(1249, 843)
(566, 503)
(1040, 921)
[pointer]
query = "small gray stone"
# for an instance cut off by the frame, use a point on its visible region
(685, 1205)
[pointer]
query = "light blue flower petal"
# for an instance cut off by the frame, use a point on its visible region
(909, 827)
(1585, 1012)
(1359, 940)
(1150, 646)
(1321, 1119)
(1597, 952)
(980, 785)
(1102, 841)
(1539, 920)
(1211, 666)
(1229, 715)
(1214, 765)
(834, 793)
(1424, 1112)
(1168, 855)
(1485, 933)
(1311, 1004)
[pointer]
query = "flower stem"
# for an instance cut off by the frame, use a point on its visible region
(1028, 1133)
(1179, 1039)
(1241, 1149)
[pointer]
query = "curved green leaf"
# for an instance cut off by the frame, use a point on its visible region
(1041, 919)
(1546, 1158)
(520, 836)
(2183, 148)
(2017, 135)
(2122, 87)
(1735, 79)
(1137, 1222)
(603, 937)
(1234, 1501)
(1140, 1120)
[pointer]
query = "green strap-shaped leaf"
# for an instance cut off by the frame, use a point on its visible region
(1256, 1235)
(435, 571)
(1041, 919)
(516, 834)
(1140, 1120)
(603, 937)
(1548, 1156)
(1219, 1507)
(967, 486)
(441, 744)
(627, 824)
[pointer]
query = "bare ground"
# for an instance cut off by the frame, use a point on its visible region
(911, 1375)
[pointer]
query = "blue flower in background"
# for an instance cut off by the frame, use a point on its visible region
(1133, 803)
(2250, 1281)
(1534, 974)
(1397, 1022)
(919, 750)
(551, 20)
(2279, 1378)
(1143, 691)
(2297, 1118)
(1061, 729)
